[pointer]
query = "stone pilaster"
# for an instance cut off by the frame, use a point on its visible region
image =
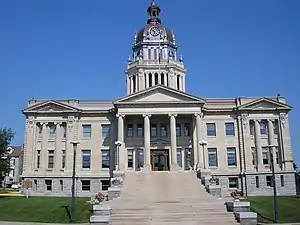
(286, 142)
(271, 141)
(199, 148)
(28, 164)
(147, 163)
(195, 143)
(121, 156)
(174, 165)
(44, 144)
(58, 148)
(259, 156)
(247, 143)
(69, 148)
(141, 79)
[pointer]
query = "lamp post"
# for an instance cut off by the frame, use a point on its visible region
(203, 144)
(118, 144)
(75, 144)
(275, 206)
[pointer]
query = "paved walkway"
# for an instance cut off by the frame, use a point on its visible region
(24, 223)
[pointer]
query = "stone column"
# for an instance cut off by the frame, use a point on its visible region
(174, 165)
(141, 80)
(44, 143)
(183, 83)
(199, 147)
(121, 155)
(258, 146)
(58, 148)
(147, 80)
(195, 143)
(159, 78)
(147, 163)
(128, 85)
(153, 79)
(272, 142)
(131, 85)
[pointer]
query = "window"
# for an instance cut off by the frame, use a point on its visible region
(265, 155)
(211, 129)
(106, 130)
(257, 181)
(86, 159)
(187, 156)
(186, 129)
(233, 182)
(178, 129)
(52, 129)
(163, 130)
(253, 150)
(140, 130)
(38, 159)
(179, 161)
(129, 130)
(48, 184)
(85, 185)
(105, 158)
(140, 158)
(130, 158)
(269, 181)
(35, 184)
(50, 159)
(212, 157)
(40, 130)
(263, 127)
(64, 130)
(105, 184)
(61, 183)
(87, 131)
(277, 154)
(153, 130)
(231, 156)
(63, 159)
(251, 125)
(281, 180)
(229, 129)
(275, 127)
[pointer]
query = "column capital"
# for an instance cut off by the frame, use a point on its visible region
(257, 120)
(198, 114)
(146, 115)
(172, 114)
(120, 115)
(271, 120)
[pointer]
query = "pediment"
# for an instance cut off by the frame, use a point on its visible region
(264, 104)
(50, 106)
(159, 94)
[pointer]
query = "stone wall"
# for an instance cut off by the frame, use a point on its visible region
(288, 187)
(58, 190)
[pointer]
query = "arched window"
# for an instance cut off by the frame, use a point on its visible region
(150, 79)
(162, 78)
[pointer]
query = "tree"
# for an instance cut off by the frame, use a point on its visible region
(6, 135)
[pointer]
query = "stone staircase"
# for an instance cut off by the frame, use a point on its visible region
(170, 198)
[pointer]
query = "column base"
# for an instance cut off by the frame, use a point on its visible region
(175, 167)
(147, 168)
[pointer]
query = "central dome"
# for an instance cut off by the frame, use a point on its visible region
(154, 26)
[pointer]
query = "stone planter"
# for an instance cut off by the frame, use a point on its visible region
(246, 218)
(237, 206)
(101, 214)
(113, 192)
(214, 190)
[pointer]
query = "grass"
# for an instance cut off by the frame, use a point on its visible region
(7, 190)
(288, 208)
(43, 209)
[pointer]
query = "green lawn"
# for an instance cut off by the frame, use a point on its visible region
(288, 208)
(6, 190)
(43, 209)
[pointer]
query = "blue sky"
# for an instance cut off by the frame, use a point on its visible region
(78, 49)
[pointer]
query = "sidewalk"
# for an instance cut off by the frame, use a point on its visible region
(31, 223)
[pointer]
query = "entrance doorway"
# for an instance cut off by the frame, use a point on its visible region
(160, 160)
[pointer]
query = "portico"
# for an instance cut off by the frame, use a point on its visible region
(165, 120)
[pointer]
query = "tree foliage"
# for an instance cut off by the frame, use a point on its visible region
(6, 135)
(297, 177)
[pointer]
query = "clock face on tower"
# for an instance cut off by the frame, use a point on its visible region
(154, 31)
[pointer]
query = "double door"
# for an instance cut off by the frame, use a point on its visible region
(160, 160)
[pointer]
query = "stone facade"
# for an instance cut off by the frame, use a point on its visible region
(158, 126)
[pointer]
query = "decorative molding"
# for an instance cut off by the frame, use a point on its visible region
(30, 121)
(71, 120)
(172, 114)
(147, 115)
(245, 120)
(201, 114)
(141, 71)
(282, 117)
(120, 115)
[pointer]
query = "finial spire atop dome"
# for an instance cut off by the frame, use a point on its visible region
(153, 13)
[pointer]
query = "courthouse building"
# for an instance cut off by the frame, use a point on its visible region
(159, 127)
